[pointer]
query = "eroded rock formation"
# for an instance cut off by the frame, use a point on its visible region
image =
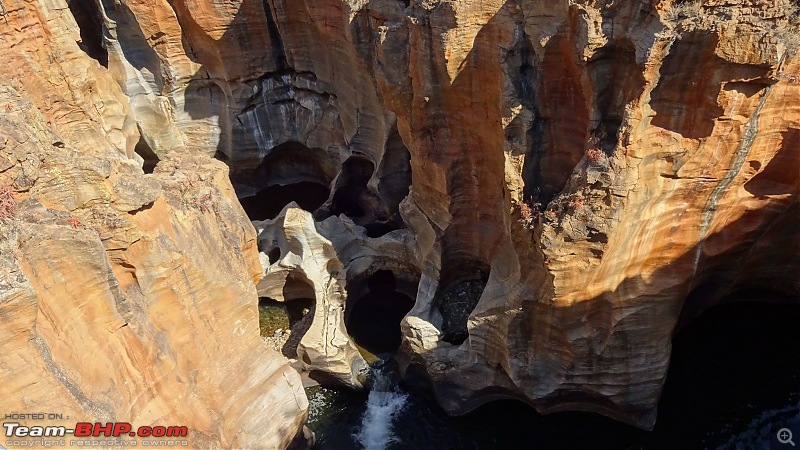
(593, 172)
(332, 262)
(131, 297)
(307, 267)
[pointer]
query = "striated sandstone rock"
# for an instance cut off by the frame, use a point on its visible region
(42, 59)
(659, 142)
(308, 268)
(131, 297)
(445, 117)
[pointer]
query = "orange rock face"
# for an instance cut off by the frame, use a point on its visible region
(79, 99)
(131, 297)
(653, 145)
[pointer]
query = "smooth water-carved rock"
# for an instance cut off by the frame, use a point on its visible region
(308, 268)
(335, 263)
(131, 297)
(599, 165)
(584, 114)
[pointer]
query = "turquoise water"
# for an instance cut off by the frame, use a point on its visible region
(734, 380)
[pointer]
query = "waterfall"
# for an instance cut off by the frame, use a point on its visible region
(384, 404)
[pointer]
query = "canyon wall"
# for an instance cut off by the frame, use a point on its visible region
(124, 296)
(558, 184)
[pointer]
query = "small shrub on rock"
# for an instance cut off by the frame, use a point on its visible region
(528, 214)
(576, 203)
(74, 222)
(595, 155)
(203, 203)
(8, 205)
(685, 10)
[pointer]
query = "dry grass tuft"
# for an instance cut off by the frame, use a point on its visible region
(685, 10)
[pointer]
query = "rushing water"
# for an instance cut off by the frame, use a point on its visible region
(733, 382)
(384, 403)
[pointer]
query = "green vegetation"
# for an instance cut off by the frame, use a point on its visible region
(272, 316)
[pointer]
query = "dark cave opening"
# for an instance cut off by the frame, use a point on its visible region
(269, 202)
(292, 161)
(617, 80)
(291, 172)
(150, 157)
(460, 291)
(274, 255)
(378, 229)
(373, 318)
(395, 172)
(347, 202)
(350, 197)
(457, 303)
(91, 29)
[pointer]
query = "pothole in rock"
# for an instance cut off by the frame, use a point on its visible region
(378, 229)
(456, 303)
(373, 318)
(268, 203)
(352, 197)
(291, 172)
(283, 324)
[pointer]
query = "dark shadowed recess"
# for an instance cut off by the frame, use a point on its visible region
(373, 318)
(617, 80)
(87, 16)
(291, 172)
(780, 177)
(353, 197)
(394, 181)
(461, 286)
(350, 187)
(269, 202)
(150, 157)
(729, 366)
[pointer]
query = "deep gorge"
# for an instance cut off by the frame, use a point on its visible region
(445, 213)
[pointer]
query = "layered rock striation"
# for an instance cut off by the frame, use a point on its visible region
(130, 297)
(556, 184)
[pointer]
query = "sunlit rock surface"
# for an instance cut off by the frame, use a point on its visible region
(131, 297)
(603, 169)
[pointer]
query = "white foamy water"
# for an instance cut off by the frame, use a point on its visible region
(384, 404)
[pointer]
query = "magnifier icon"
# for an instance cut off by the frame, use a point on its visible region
(785, 436)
